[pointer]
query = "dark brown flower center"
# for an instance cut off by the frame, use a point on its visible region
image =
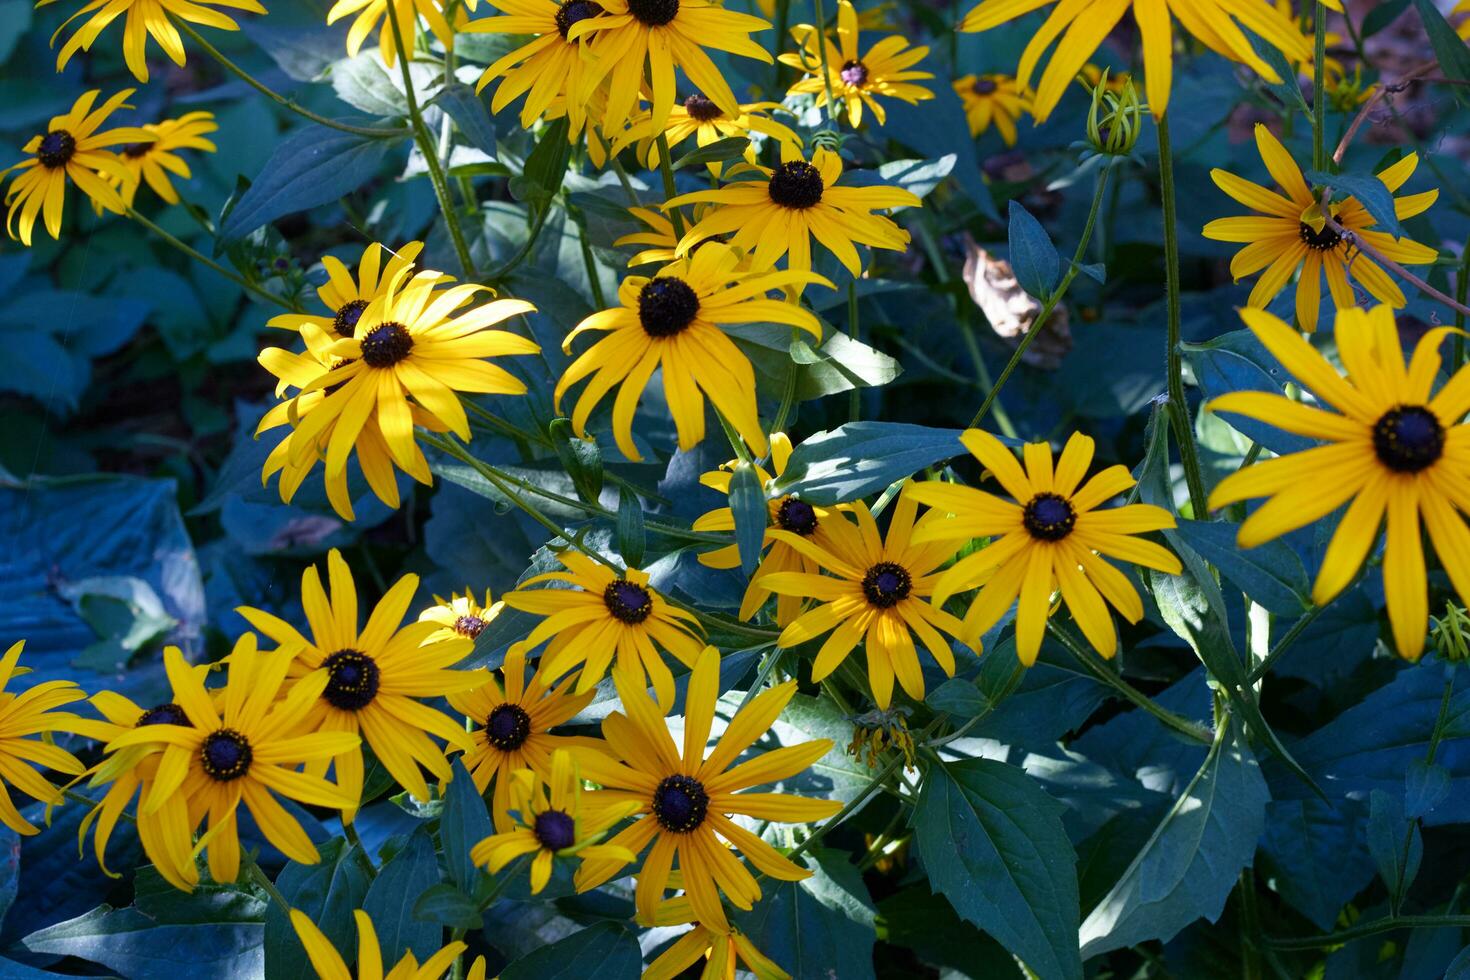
(666, 306)
(984, 86)
(352, 680)
(701, 108)
(555, 830)
(887, 584)
(572, 11)
(385, 345)
(167, 713)
(628, 601)
(470, 626)
(1321, 241)
(654, 13)
(1049, 517)
(135, 150)
(797, 516)
(680, 804)
(225, 755)
(1408, 438)
(507, 727)
(854, 73)
(344, 324)
(56, 149)
(796, 185)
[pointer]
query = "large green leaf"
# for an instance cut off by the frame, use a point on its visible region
(818, 928)
(464, 823)
(862, 458)
(1319, 855)
(1033, 256)
(606, 951)
(391, 897)
(1191, 862)
(327, 892)
(993, 844)
(1271, 574)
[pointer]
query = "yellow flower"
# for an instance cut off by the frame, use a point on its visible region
(369, 681)
(548, 67)
(405, 12)
(70, 147)
(460, 615)
(32, 712)
(1394, 450)
(676, 321)
(1463, 7)
(877, 598)
(1220, 25)
(663, 35)
(723, 950)
(785, 512)
(245, 749)
(992, 99)
(407, 342)
(798, 200)
(1288, 233)
(606, 613)
(697, 116)
(684, 797)
(144, 19)
(662, 243)
(515, 723)
(566, 824)
(153, 162)
(856, 77)
(1052, 538)
(330, 965)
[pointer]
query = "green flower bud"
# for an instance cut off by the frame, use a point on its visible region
(1115, 119)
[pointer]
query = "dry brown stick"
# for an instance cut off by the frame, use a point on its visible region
(1354, 240)
(1378, 96)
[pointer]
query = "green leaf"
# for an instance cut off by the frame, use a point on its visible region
(728, 148)
(917, 919)
(1271, 574)
(364, 83)
(313, 166)
(1288, 90)
(391, 897)
(581, 458)
(748, 504)
(605, 950)
(632, 538)
(327, 892)
(1237, 361)
(958, 698)
(1382, 15)
(836, 775)
(1033, 256)
(919, 177)
(469, 113)
(1193, 859)
(15, 20)
(1450, 49)
(545, 168)
(1395, 843)
(1426, 785)
(1317, 853)
(1370, 191)
(448, 906)
(993, 844)
(464, 823)
(862, 458)
(140, 947)
(819, 928)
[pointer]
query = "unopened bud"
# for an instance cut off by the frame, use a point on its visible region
(1115, 119)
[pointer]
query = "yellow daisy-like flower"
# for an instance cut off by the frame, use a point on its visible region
(33, 712)
(992, 100)
(785, 512)
(1220, 25)
(153, 162)
(855, 77)
(685, 798)
(460, 615)
(798, 200)
(675, 321)
(605, 614)
(1463, 7)
(701, 118)
(71, 147)
(369, 13)
(369, 681)
(1052, 538)
(330, 965)
(661, 35)
(143, 19)
(660, 241)
(548, 68)
(877, 597)
(407, 342)
(1395, 450)
(1288, 233)
(724, 951)
(515, 719)
(564, 824)
(246, 748)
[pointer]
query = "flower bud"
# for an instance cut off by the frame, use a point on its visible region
(1115, 119)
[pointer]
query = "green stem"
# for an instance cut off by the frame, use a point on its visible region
(788, 394)
(278, 98)
(539, 222)
(1462, 294)
(253, 871)
(1179, 407)
(1051, 302)
(1297, 628)
(821, 25)
(430, 152)
(204, 260)
(666, 169)
(1364, 929)
(1319, 89)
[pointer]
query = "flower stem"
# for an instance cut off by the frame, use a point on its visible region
(1319, 89)
(821, 35)
(254, 872)
(1178, 406)
(666, 169)
(430, 151)
(1291, 635)
(204, 260)
(370, 132)
(1388, 923)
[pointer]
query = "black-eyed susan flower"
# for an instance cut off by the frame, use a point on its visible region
(409, 342)
(513, 720)
(674, 321)
(875, 596)
(71, 148)
(370, 680)
(685, 798)
(1223, 26)
(605, 613)
(701, 118)
(460, 615)
(1395, 452)
(724, 951)
(660, 241)
(244, 746)
(780, 214)
(143, 19)
(555, 824)
(1288, 234)
(330, 965)
(856, 78)
(1051, 536)
(548, 67)
(629, 36)
(992, 100)
(370, 14)
(151, 163)
(785, 512)
(33, 712)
